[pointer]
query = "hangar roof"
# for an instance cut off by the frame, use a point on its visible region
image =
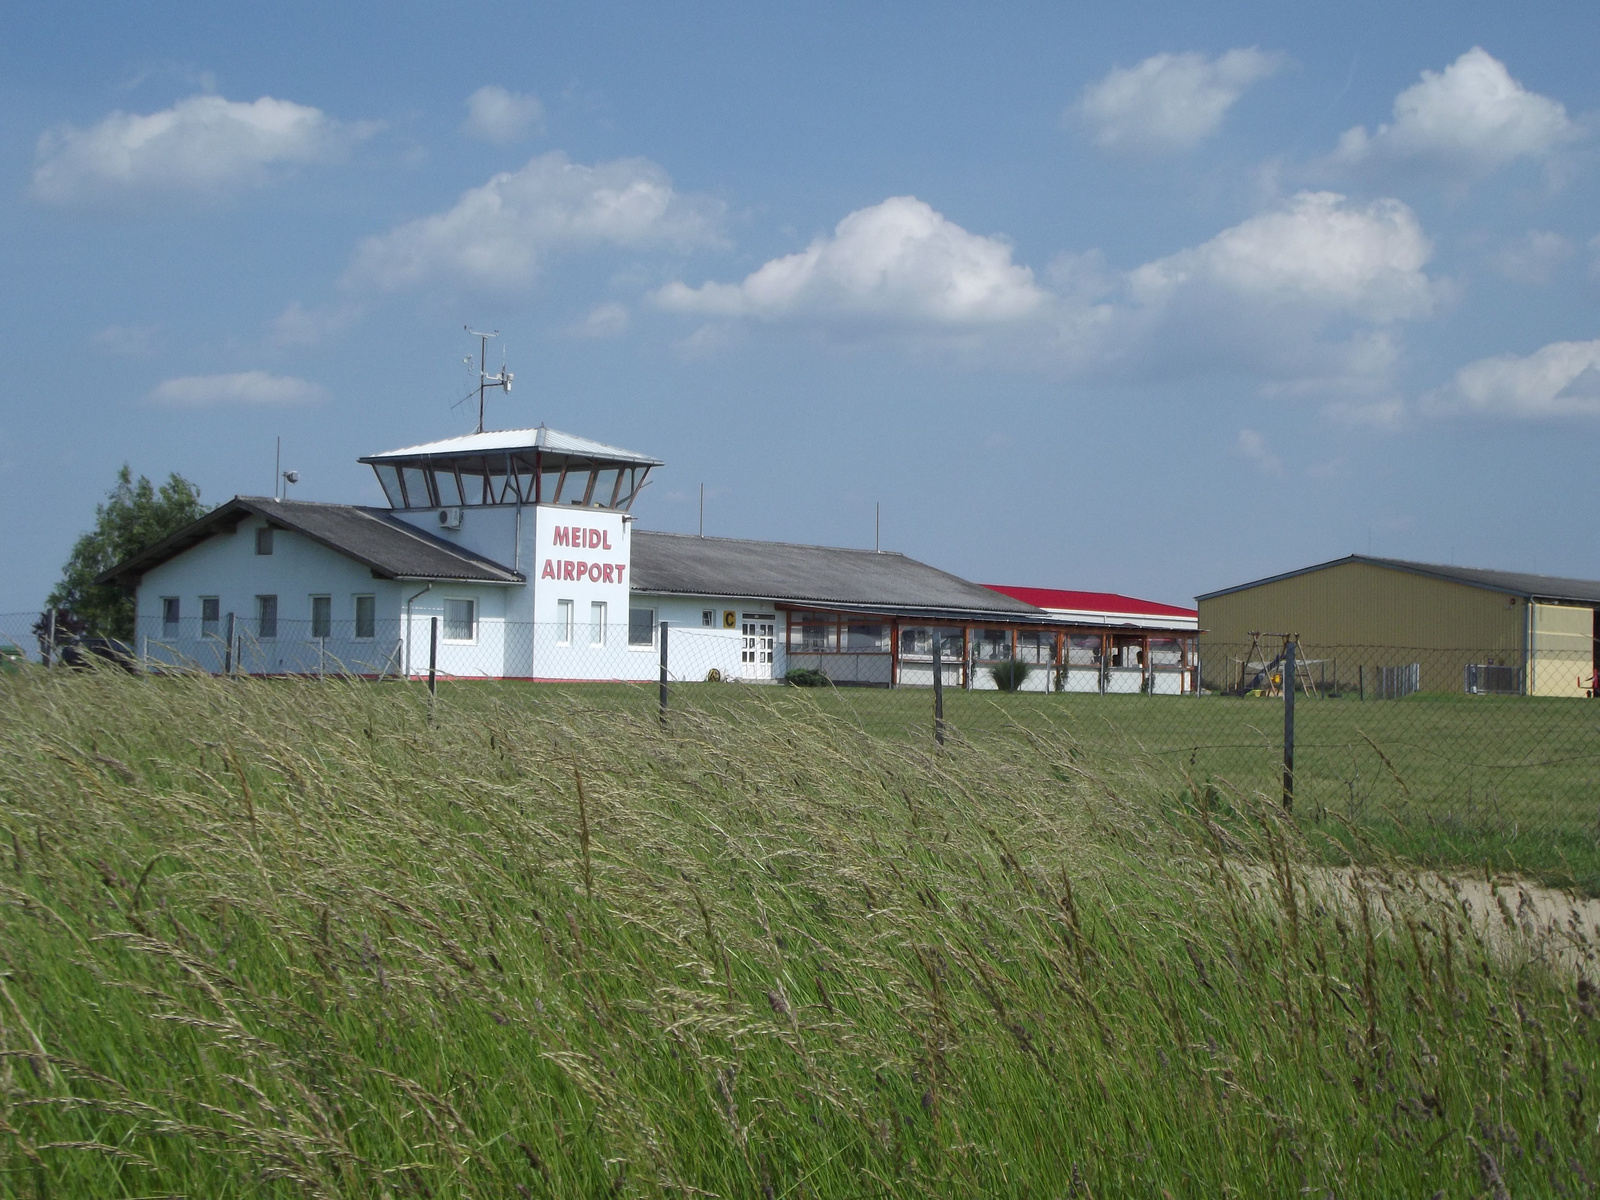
(825, 576)
(1512, 583)
(1103, 604)
(371, 536)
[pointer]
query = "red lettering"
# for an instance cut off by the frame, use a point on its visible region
(563, 536)
(621, 567)
(605, 535)
(591, 538)
(583, 571)
(549, 571)
(609, 573)
(566, 568)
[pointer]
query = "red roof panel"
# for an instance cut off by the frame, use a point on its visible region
(1108, 602)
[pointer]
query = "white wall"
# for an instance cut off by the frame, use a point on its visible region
(695, 649)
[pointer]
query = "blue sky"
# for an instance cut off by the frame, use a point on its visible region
(1151, 300)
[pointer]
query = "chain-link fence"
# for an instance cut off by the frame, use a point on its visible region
(1487, 756)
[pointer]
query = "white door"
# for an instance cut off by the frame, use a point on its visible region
(755, 653)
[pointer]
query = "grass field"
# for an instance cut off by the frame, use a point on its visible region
(1484, 782)
(289, 938)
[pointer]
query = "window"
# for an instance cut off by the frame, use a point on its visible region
(366, 616)
(708, 617)
(169, 616)
(266, 616)
(210, 616)
(264, 540)
(641, 626)
(597, 623)
(867, 638)
(389, 477)
(1036, 647)
(563, 622)
(460, 620)
(321, 616)
(813, 633)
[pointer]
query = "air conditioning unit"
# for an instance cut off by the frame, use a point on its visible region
(450, 518)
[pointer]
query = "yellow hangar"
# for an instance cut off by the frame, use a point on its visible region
(1453, 629)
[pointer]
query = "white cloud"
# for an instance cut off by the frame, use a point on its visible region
(1317, 251)
(204, 147)
(130, 341)
(243, 388)
(1558, 380)
(297, 325)
(1465, 121)
(898, 262)
(1253, 446)
(1533, 258)
(495, 235)
(603, 321)
(496, 115)
(1169, 101)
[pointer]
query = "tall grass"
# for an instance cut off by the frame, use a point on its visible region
(299, 938)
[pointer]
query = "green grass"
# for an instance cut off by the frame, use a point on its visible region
(1502, 783)
(290, 938)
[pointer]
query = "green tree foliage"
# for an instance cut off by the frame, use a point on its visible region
(135, 515)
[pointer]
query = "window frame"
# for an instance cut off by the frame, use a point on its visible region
(171, 616)
(211, 626)
(267, 628)
(325, 618)
(372, 616)
(264, 541)
(598, 620)
(651, 640)
(472, 620)
(566, 622)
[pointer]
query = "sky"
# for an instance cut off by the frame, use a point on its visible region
(1153, 299)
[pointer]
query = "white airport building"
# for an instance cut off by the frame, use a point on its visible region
(513, 554)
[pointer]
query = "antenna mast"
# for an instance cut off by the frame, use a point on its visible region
(485, 380)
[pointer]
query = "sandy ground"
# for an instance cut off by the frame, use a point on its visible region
(1520, 920)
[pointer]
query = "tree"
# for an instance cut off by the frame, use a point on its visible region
(135, 516)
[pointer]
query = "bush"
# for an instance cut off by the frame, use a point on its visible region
(807, 677)
(1008, 675)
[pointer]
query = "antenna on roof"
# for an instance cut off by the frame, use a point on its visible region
(485, 380)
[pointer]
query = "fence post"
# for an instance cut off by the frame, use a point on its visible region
(663, 628)
(433, 656)
(227, 652)
(938, 687)
(50, 654)
(1288, 725)
(1361, 682)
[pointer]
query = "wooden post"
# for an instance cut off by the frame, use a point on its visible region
(1288, 727)
(1361, 682)
(938, 686)
(227, 653)
(663, 627)
(433, 657)
(50, 652)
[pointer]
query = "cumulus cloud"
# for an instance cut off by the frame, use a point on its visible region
(898, 262)
(496, 115)
(1558, 380)
(1169, 101)
(1317, 251)
(1305, 298)
(1466, 121)
(202, 147)
(1533, 258)
(243, 388)
(495, 236)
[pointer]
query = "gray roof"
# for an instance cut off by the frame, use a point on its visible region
(373, 537)
(826, 576)
(1511, 583)
(552, 441)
